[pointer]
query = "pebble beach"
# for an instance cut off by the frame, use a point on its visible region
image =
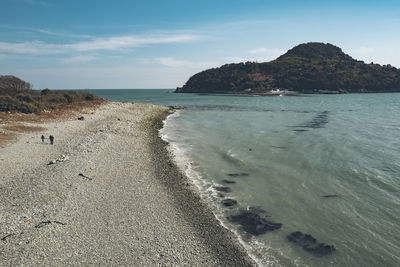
(106, 193)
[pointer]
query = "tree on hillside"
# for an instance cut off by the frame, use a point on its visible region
(11, 85)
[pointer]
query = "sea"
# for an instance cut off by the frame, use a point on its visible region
(327, 166)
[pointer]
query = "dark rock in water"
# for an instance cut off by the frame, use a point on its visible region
(309, 244)
(257, 210)
(229, 202)
(253, 223)
(81, 118)
(326, 196)
(229, 181)
(300, 130)
(319, 121)
(302, 239)
(223, 189)
(237, 174)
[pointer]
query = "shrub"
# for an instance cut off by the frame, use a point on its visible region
(26, 107)
(25, 97)
(57, 100)
(69, 97)
(90, 97)
(8, 103)
(45, 91)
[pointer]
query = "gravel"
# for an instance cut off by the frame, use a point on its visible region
(115, 198)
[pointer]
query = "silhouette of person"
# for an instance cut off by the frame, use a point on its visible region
(42, 139)
(51, 139)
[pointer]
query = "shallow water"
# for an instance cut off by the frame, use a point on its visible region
(295, 150)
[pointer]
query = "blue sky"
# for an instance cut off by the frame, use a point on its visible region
(160, 44)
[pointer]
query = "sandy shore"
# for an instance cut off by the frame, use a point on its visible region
(115, 198)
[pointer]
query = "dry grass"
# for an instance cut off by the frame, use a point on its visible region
(20, 128)
(60, 112)
(12, 123)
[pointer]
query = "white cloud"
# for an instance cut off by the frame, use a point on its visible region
(78, 59)
(61, 34)
(171, 62)
(112, 43)
(116, 43)
(32, 48)
(363, 51)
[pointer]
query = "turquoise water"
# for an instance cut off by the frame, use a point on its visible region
(295, 150)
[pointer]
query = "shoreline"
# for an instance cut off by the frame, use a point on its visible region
(187, 197)
(129, 204)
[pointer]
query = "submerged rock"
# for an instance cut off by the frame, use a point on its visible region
(319, 121)
(327, 196)
(229, 202)
(309, 244)
(253, 223)
(237, 174)
(229, 181)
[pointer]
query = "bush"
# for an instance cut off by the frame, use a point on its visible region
(27, 108)
(57, 100)
(69, 97)
(90, 97)
(25, 97)
(45, 91)
(8, 103)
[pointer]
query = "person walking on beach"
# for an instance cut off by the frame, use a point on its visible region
(42, 139)
(51, 139)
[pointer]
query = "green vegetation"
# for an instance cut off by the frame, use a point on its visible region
(306, 68)
(90, 97)
(17, 95)
(8, 103)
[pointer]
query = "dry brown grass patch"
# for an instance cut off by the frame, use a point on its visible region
(57, 113)
(23, 128)
(11, 123)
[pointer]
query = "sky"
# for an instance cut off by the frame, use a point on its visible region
(122, 44)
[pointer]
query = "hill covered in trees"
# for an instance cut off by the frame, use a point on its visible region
(306, 68)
